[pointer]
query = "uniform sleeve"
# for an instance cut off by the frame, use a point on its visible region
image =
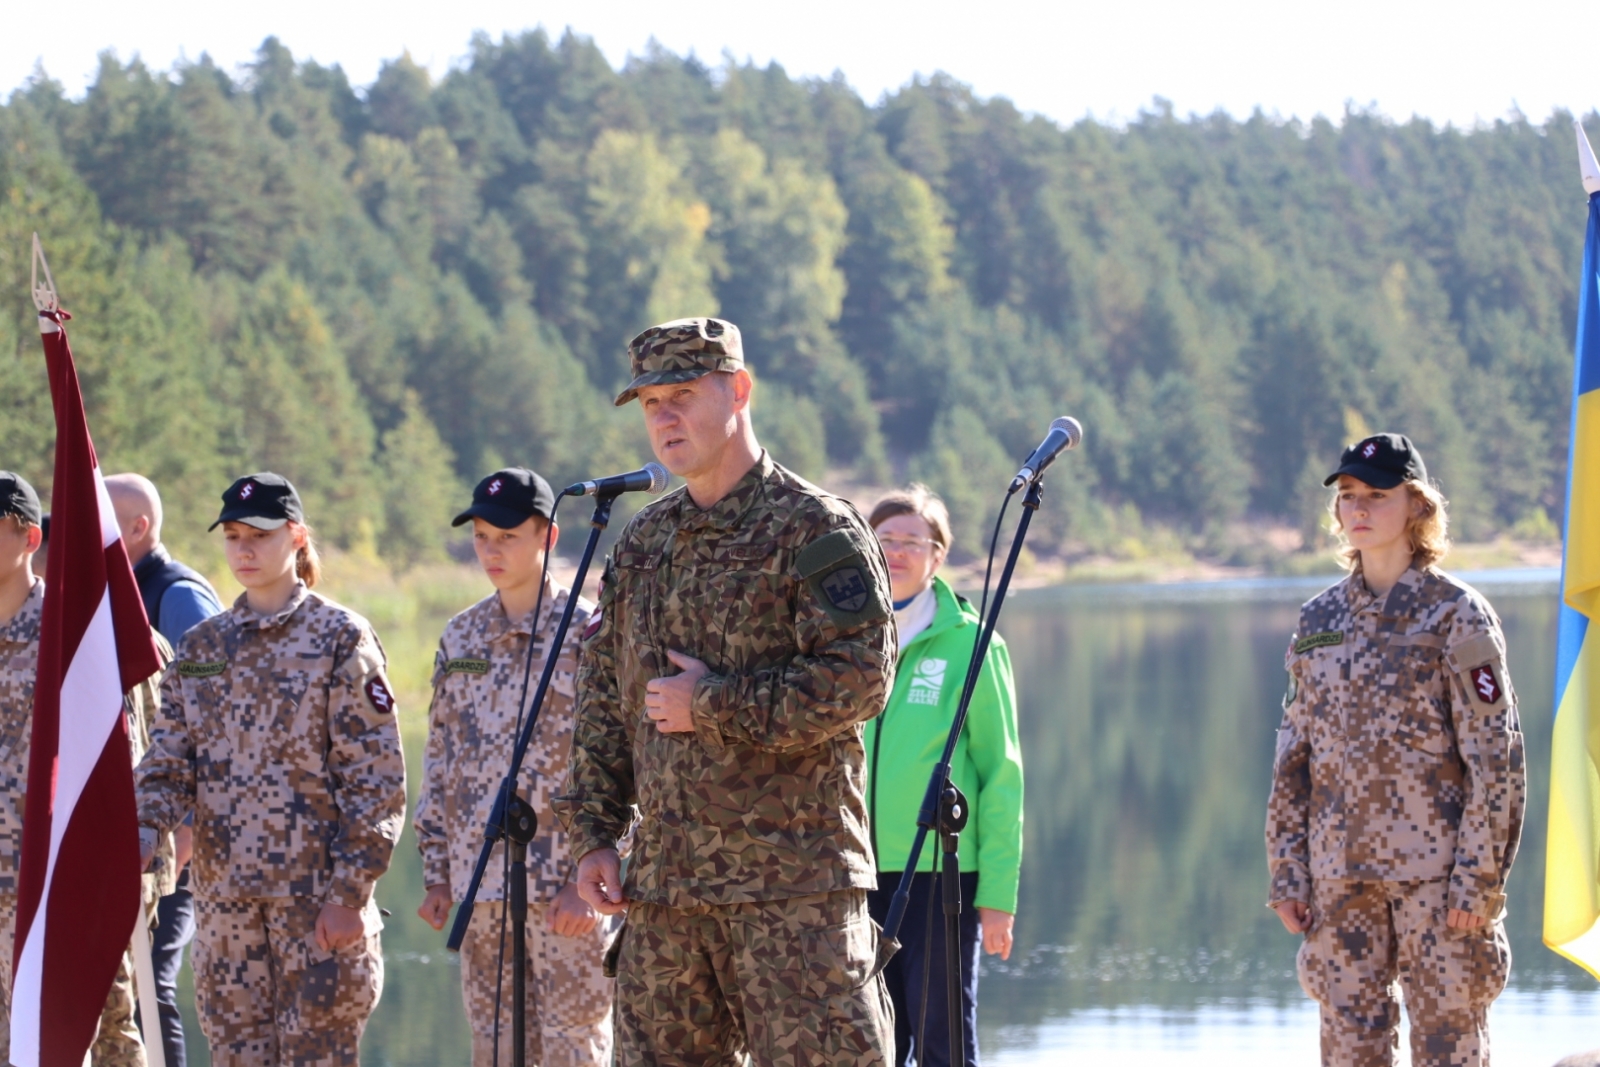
(596, 803)
(141, 704)
(1289, 805)
(844, 670)
(165, 783)
(429, 820)
(367, 771)
(996, 754)
(1489, 738)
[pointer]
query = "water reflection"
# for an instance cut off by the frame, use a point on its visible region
(1148, 732)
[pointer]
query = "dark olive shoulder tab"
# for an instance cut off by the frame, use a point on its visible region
(1322, 640)
(838, 573)
(191, 669)
(824, 552)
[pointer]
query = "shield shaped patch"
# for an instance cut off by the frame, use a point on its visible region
(846, 589)
(380, 696)
(1486, 684)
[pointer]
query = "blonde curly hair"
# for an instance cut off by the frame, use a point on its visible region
(1429, 528)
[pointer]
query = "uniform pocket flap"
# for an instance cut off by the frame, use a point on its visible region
(839, 959)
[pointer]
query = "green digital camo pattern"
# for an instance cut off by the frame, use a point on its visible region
(765, 799)
(266, 994)
(569, 999)
(680, 351)
(791, 981)
(472, 727)
(1365, 936)
(1400, 756)
(289, 757)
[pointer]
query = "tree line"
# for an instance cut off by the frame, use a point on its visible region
(384, 292)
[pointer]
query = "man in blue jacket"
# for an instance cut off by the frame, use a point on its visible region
(175, 598)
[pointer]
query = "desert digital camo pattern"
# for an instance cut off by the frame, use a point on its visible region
(19, 661)
(680, 351)
(781, 590)
(1400, 756)
(279, 733)
(569, 998)
(118, 1043)
(803, 967)
(266, 994)
(1368, 934)
(472, 727)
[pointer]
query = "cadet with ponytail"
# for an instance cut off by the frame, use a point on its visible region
(277, 730)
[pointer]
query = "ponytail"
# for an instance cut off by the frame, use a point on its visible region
(307, 563)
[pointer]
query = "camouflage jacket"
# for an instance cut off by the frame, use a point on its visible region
(472, 727)
(781, 590)
(19, 664)
(1400, 756)
(279, 733)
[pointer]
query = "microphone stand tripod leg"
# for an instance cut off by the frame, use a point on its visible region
(521, 824)
(952, 820)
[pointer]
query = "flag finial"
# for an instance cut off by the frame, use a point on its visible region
(1586, 161)
(44, 297)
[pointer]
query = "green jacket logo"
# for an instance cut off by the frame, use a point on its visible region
(927, 680)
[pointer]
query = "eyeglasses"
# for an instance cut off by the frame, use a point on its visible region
(908, 545)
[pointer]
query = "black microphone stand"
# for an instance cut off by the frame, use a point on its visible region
(944, 808)
(513, 818)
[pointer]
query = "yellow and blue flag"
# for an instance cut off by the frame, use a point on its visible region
(1572, 858)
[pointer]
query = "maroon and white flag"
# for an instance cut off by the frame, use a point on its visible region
(78, 893)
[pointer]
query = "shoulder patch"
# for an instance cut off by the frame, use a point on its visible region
(842, 580)
(825, 551)
(1485, 685)
(191, 669)
(465, 665)
(378, 692)
(1322, 640)
(594, 624)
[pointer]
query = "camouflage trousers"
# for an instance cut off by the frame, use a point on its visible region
(268, 995)
(569, 996)
(787, 980)
(117, 1043)
(1366, 935)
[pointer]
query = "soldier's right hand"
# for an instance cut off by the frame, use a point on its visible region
(1295, 915)
(600, 881)
(436, 906)
(148, 839)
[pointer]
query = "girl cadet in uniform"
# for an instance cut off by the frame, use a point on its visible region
(277, 728)
(1397, 788)
(937, 630)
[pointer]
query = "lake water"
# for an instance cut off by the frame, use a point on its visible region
(1148, 717)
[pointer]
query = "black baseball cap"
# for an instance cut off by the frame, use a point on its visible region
(18, 498)
(1383, 461)
(508, 498)
(265, 501)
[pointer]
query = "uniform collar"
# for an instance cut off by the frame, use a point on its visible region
(499, 626)
(726, 513)
(1396, 602)
(246, 618)
(24, 625)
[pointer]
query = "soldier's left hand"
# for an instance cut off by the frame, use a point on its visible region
(1456, 919)
(570, 915)
(339, 927)
(996, 926)
(667, 700)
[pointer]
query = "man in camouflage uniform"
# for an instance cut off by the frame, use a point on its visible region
(1395, 813)
(278, 731)
(743, 636)
(117, 1042)
(478, 679)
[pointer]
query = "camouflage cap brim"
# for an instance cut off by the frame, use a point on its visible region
(659, 377)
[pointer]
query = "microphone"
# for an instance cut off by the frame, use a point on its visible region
(1064, 433)
(651, 478)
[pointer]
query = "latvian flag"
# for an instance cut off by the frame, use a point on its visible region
(78, 896)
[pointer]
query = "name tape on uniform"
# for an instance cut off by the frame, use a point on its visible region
(1322, 640)
(466, 666)
(190, 669)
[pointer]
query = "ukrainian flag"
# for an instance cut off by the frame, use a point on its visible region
(1572, 859)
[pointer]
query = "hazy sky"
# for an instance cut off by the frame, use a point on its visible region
(1455, 62)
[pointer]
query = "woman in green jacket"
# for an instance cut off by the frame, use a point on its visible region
(937, 631)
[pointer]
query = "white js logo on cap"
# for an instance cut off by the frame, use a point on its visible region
(1370, 451)
(494, 487)
(247, 490)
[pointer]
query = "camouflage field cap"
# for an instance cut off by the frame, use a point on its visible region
(681, 351)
